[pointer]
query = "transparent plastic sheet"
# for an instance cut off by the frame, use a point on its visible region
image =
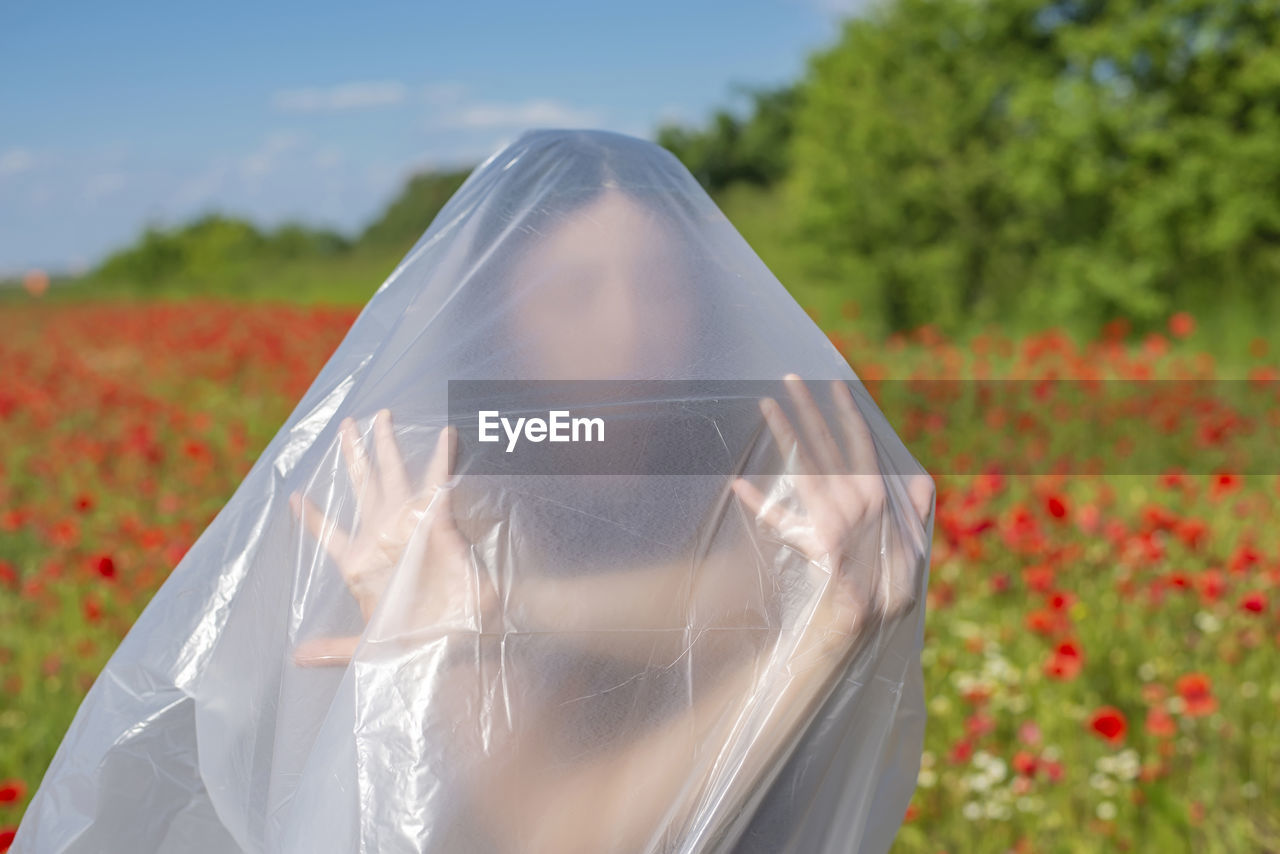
(412, 657)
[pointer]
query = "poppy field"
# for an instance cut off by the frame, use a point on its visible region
(1102, 649)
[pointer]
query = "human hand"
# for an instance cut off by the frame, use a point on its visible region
(843, 497)
(387, 516)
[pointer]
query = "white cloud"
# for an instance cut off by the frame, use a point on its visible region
(16, 160)
(103, 185)
(328, 157)
(202, 187)
(267, 156)
(443, 93)
(537, 111)
(347, 96)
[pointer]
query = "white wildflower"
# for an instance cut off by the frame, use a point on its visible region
(1102, 783)
(1030, 803)
(1207, 623)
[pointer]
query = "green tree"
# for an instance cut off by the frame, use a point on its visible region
(733, 148)
(1058, 161)
(215, 252)
(408, 216)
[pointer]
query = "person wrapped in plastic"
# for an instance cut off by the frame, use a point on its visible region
(376, 646)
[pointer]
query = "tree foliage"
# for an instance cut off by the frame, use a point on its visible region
(408, 216)
(213, 249)
(731, 148)
(221, 254)
(984, 159)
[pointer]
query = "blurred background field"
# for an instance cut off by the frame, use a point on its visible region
(952, 189)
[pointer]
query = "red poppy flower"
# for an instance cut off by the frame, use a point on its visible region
(1042, 622)
(1061, 600)
(1056, 506)
(1212, 584)
(1025, 763)
(1088, 517)
(1196, 692)
(989, 483)
(1254, 601)
(1038, 578)
(1182, 324)
(1155, 516)
(1115, 330)
(1160, 723)
(1109, 723)
(11, 791)
(961, 751)
(1223, 483)
(106, 567)
(1067, 661)
(1192, 532)
(64, 532)
(978, 725)
(1245, 557)
(6, 837)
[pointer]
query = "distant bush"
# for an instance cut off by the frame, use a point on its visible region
(213, 249)
(731, 148)
(406, 218)
(227, 256)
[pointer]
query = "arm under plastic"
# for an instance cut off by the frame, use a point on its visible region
(633, 798)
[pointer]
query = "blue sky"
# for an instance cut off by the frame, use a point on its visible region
(115, 116)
